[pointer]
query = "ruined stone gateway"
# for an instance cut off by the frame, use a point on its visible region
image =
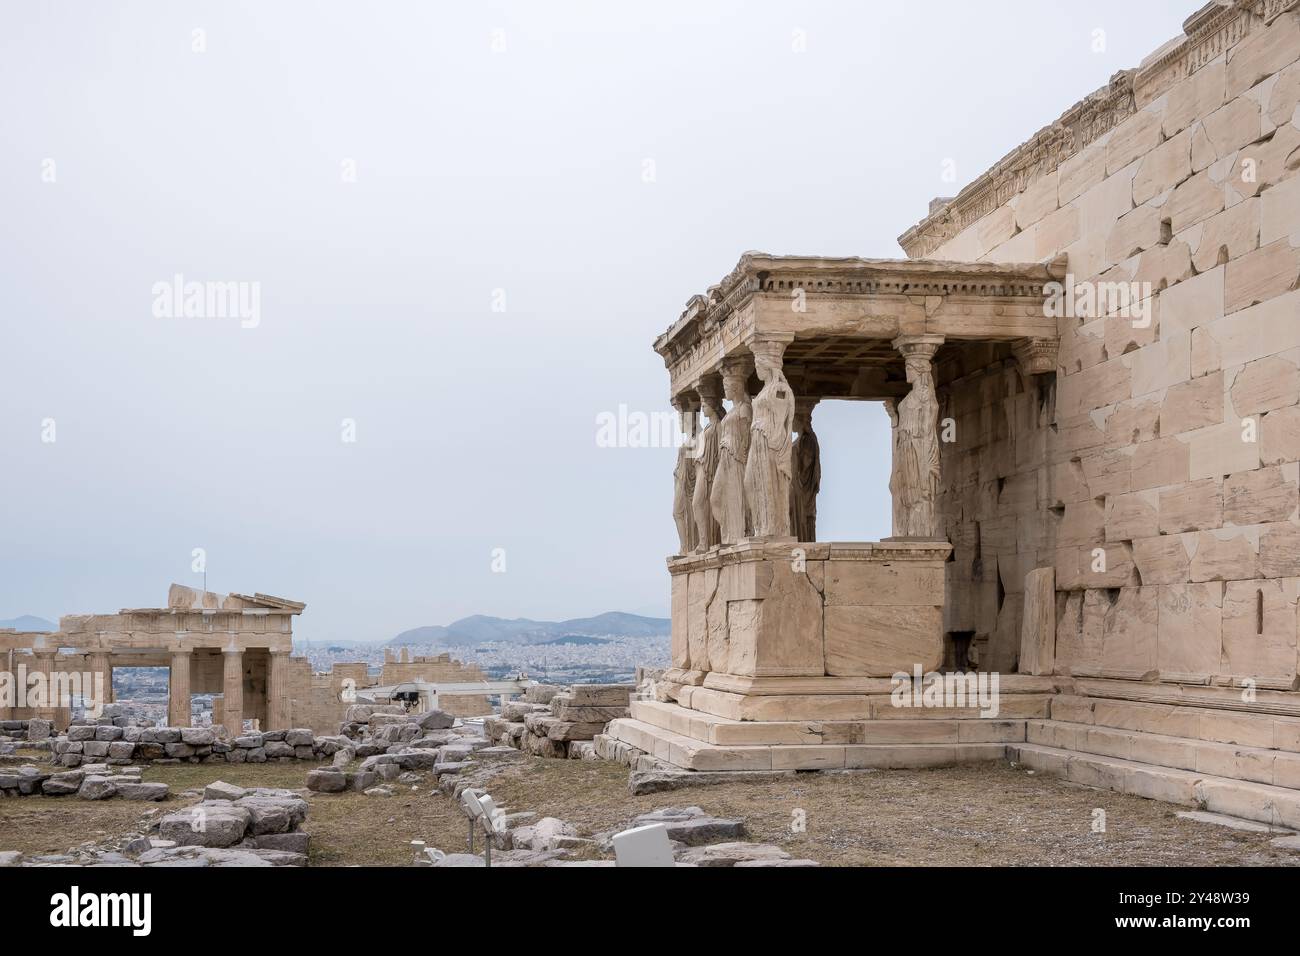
(1091, 359)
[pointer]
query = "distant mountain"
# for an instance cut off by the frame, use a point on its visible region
(29, 623)
(482, 629)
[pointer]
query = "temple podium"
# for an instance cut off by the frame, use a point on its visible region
(790, 653)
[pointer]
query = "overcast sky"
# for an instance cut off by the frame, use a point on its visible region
(391, 175)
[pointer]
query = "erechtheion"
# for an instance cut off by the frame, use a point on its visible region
(1091, 361)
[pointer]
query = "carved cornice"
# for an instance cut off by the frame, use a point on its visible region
(1036, 356)
(758, 273)
(1208, 34)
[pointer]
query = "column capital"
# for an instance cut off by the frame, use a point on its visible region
(1036, 356)
(769, 347)
(742, 362)
(277, 651)
(761, 338)
(708, 388)
(923, 346)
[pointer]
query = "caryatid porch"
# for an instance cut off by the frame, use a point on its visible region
(769, 625)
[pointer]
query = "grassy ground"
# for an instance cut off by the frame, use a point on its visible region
(976, 815)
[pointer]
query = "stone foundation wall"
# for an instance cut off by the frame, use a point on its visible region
(118, 746)
(995, 500)
(809, 609)
(1158, 473)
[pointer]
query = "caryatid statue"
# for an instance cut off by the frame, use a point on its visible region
(914, 482)
(806, 473)
(684, 475)
(706, 463)
(727, 496)
(768, 468)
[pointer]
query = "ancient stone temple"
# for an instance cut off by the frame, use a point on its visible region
(1091, 362)
(234, 645)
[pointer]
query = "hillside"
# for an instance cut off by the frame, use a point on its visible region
(482, 629)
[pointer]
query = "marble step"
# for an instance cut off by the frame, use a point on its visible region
(1277, 806)
(1277, 768)
(735, 706)
(1200, 723)
(692, 754)
(712, 729)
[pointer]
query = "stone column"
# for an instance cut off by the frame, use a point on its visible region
(178, 690)
(684, 474)
(727, 495)
(768, 467)
(233, 689)
(806, 472)
(914, 482)
(277, 691)
(101, 677)
(43, 663)
(707, 535)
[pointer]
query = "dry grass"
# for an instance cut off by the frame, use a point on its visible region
(989, 814)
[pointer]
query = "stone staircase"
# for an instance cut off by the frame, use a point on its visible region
(1243, 764)
(695, 740)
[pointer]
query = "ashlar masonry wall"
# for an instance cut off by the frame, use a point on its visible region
(1158, 470)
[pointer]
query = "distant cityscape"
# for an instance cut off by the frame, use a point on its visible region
(569, 659)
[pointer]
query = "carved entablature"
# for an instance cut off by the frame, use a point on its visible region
(840, 314)
(1036, 356)
(1209, 33)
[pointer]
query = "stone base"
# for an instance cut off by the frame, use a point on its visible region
(809, 609)
(713, 730)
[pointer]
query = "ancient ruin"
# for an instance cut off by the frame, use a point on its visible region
(237, 647)
(1091, 364)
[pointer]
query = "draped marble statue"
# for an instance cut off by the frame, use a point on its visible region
(727, 496)
(806, 473)
(706, 463)
(684, 478)
(914, 482)
(767, 470)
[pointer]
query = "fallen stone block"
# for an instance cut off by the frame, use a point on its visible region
(327, 780)
(692, 826)
(217, 823)
(731, 854)
(62, 784)
(545, 834)
(220, 790)
(143, 791)
(435, 720)
(287, 842)
(273, 814)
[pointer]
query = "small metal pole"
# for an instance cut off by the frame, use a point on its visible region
(471, 834)
(487, 852)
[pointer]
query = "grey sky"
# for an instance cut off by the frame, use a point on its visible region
(476, 170)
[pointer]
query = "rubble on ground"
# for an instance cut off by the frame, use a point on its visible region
(548, 722)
